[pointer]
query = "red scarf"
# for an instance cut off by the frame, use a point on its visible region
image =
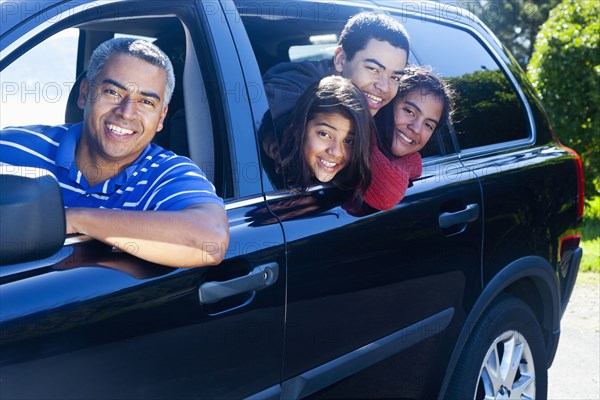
(390, 178)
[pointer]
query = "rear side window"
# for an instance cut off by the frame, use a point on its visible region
(488, 108)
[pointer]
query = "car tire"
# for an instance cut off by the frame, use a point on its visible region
(505, 356)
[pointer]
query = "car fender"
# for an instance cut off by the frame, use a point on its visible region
(541, 274)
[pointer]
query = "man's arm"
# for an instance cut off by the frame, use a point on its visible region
(192, 237)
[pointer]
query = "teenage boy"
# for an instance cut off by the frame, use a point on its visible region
(372, 52)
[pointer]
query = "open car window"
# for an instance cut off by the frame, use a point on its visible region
(33, 95)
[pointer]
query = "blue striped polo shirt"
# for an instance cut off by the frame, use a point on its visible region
(157, 180)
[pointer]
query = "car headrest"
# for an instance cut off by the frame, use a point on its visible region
(74, 114)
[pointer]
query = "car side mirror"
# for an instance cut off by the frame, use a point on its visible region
(32, 215)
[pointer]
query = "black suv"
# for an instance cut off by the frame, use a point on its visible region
(457, 292)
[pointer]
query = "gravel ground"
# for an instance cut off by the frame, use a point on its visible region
(575, 373)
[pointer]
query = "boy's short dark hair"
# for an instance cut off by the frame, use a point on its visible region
(370, 25)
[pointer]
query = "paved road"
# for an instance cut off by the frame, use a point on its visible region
(576, 369)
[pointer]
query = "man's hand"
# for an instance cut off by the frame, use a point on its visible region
(192, 237)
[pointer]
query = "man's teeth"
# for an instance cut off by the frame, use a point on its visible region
(328, 164)
(405, 138)
(120, 131)
(374, 99)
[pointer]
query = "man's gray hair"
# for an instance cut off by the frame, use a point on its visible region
(138, 48)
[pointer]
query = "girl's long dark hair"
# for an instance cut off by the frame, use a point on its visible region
(414, 79)
(332, 95)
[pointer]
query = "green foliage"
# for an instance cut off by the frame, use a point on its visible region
(591, 236)
(565, 70)
(591, 219)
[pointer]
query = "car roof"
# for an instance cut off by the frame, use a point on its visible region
(17, 12)
(21, 16)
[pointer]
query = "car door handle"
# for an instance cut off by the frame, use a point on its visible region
(469, 214)
(259, 278)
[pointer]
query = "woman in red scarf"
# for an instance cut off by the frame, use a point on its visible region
(423, 104)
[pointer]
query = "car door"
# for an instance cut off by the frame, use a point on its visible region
(90, 322)
(366, 287)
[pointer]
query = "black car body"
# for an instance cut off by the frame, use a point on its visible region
(311, 299)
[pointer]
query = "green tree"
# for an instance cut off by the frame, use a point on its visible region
(565, 70)
(514, 22)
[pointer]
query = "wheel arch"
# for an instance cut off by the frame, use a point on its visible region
(533, 280)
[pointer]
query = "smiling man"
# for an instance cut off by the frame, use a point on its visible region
(118, 186)
(372, 52)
